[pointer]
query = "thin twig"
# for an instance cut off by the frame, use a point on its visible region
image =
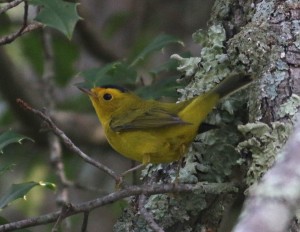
(67, 141)
(58, 166)
(70, 184)
(53, 141)
(25, 28)
(83, 187)
(48, 73)
(207, 188)
(64, 211)
(147, 216)
(10, 5)
(10, 38)
(25, 17)
(85, 221)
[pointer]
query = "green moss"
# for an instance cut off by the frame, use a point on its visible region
(249, 49)
(168, 211)
(188, 65)
(263, 142)
(221, 9)
(290, 107)
(263, 11)
(214, 155)
(187, 174)
(211, 67)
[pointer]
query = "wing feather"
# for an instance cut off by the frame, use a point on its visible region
(136, 119)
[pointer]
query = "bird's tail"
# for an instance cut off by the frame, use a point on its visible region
(231, 84)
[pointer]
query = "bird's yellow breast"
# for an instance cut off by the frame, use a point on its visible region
(155, 146)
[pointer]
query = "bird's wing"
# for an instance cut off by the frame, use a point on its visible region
(136, 119)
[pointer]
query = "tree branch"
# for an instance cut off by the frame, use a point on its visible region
(148, 216)
(273, 203)
(55, 148)
(25, 27)
(10, 38)
(85, 221)
(66, 140)
(10, 5)
(204, 187)
(16, 84)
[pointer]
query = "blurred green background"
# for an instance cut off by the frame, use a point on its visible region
(105, 44)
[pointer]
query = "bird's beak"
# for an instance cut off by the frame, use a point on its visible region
(86, 91)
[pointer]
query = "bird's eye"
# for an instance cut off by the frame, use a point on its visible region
(107, 96)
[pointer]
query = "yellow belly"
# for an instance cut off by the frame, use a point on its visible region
(161, 145)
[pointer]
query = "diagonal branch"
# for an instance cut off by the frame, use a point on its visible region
(10, 5)
(204, 187)
(25, 27)
(55, 148)
(10, 38)
(85, 221)
(148, 216)
(274, 202)
(66, 140)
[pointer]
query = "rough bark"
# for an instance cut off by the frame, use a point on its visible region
(260, 38)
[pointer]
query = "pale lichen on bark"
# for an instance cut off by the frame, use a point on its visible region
(276, 97)
(262, 39)
(273, 202)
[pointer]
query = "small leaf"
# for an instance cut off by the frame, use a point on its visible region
(116, 73)
(58, 14)
(32, 46)
(163, 88)
(6, 168)
(115, 23)
(170, 65)
(3, 221)
(48, 185)
(66, 54)
(158, 43)
(17, 191)
(9, 137)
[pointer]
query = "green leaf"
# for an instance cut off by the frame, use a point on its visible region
(165, 87)
(116, 73)
(33, 50)
(17, 191)
(158, 43)
(115, 23)
(66, 54)
(58, 14)
(6, 168)
(9, 137)
(3, 221)
(170, 65)
(48, 185)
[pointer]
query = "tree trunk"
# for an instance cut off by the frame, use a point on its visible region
(257, 37)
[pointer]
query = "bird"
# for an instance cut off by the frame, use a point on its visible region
(151, 131)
